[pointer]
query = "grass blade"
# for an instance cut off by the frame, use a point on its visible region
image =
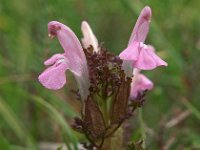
(59, 119)
(4, 144)
(15, 124)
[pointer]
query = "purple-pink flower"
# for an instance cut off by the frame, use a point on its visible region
(139, 84)
(72, 59)
(140, 55)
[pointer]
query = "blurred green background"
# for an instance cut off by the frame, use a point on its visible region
(29, 113)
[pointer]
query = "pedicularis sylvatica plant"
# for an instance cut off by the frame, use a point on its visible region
(110, 88)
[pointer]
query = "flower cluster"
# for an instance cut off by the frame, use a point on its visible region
(111, 87)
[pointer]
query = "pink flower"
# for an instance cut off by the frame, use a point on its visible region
(73, 59)
(141, 56)
(88, 37)
(139, 84)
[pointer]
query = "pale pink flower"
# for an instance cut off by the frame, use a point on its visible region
(141, 56)
(88, 37)
(139, 84)
(73, 59)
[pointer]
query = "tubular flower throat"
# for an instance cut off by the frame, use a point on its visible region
(110, 87)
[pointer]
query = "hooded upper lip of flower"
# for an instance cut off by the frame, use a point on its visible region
(142, 56)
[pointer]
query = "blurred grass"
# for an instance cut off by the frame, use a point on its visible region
(60, 120)
(24, 45)
(17, 127)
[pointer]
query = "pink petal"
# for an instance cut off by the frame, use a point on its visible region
(88, 37)
(54, 76)
(158, 60)
(145, 61)
(140, 83)
(53, 59)
(148, 60)
(131, 52)
(141, 28)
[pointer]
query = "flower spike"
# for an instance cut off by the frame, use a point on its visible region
(111, 87)
(73, 59)
(88, 37)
